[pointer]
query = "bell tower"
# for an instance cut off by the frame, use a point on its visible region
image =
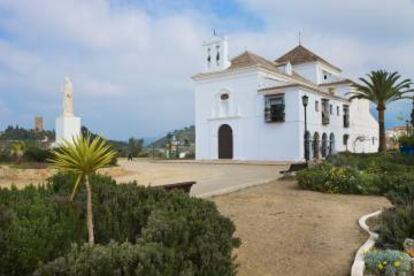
(216, 54)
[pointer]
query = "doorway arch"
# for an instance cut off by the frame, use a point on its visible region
(331, 144)
(225, 142)
(324, 150)
(315, 145)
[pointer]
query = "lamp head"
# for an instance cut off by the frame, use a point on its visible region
(305, 100)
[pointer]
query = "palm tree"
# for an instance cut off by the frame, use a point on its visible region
(18, 149)
(381, 88)
(83, 156)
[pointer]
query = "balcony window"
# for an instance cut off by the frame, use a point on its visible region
(325, 111)
(274, 108)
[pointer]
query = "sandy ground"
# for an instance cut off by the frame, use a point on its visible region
(22, 177)
(210, 177)
(287, 231)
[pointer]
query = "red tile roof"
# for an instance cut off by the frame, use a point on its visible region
(301, 54)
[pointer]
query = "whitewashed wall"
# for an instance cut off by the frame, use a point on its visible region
(253, 138)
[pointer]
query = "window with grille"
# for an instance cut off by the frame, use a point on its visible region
(274, 108)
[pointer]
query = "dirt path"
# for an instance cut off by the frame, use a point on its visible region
(287, 231)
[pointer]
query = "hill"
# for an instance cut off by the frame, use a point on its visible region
(185, 135)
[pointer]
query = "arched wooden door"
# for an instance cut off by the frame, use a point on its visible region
(225, 142)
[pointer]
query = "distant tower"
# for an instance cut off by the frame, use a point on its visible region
(68, 126)
(216, 53)
(38, 124)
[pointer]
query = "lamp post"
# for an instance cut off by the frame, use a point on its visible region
(305, 100)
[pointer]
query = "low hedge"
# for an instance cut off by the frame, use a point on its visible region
(396, 224)
(332, 179)
(375, 174)
(39, 224)
(116, 259)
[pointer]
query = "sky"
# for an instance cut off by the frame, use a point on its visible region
(131, 62)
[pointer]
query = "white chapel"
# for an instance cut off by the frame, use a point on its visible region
(251, 108)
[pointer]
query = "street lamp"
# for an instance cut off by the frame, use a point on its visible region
(305, 100)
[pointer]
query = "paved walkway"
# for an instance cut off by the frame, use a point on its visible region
(212, 177)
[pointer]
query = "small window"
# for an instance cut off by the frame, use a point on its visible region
(330, 109)
(373, 140)
(316, 106)
(337, 111)
(345, 138)
(224, 96)
(325, 76)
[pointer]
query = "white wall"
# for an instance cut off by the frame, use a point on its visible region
(253, 138)
(67, 128)
(309, 71)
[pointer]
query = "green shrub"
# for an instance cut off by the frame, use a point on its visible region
(117, 259)
(376, 174)
(402, 192)
(396, 224)
(39, 225)
(328, 178)
(36, 154)
(406, 141)
(388, 262)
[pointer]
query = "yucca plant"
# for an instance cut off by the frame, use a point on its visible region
(381, 88)
(17, 150)
(83, 156)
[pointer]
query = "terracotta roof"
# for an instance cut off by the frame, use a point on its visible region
(247, 59)
(301, 54)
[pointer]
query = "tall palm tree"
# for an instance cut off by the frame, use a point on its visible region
(83, 156)
(18, 149)
(381, 88)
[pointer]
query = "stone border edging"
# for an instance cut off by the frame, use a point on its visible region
(358, 267)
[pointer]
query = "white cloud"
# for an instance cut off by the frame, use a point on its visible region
(116, 56)
(131, 70)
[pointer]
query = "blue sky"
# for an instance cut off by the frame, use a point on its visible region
(131, 61)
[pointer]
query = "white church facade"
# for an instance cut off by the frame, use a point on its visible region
(251, 108)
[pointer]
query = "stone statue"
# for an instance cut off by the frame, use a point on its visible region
(67, 98)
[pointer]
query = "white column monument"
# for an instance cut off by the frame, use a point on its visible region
(68, 126)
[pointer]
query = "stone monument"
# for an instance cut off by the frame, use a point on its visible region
(68, 126)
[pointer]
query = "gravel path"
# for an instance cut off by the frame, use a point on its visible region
(287, 231)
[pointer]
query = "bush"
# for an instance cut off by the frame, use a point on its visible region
(387, 262)
(5, 156)
(328, 178)
(396, 224)
(35, 154)
(402, 193)
(39, 225)
(406, 141)
(376, 174)
(116, 259)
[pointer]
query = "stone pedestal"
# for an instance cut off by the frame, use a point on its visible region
(67, 128)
